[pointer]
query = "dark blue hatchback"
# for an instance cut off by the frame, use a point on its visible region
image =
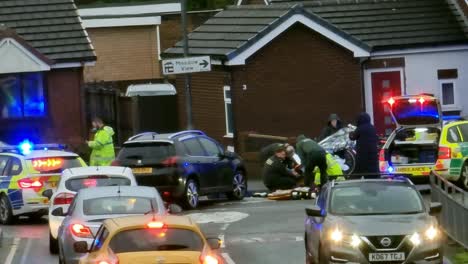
(184, 166)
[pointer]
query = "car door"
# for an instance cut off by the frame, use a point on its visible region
(4, 178)
(315, 224)
(204, 165)
(223, 169)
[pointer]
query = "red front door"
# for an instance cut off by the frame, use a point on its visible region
(384, 86)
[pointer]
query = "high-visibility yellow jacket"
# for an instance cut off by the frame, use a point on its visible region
(102, 146)
(333, 168)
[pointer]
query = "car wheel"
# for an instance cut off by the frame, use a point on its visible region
(463, 180)
(191, 196)
(6, 213)
(53, 245)
(239, 186)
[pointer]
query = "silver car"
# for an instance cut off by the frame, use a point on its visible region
(372, 221)
(92, 206)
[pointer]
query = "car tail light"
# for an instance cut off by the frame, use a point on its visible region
(29, 184)
(63, 198)
(208, 259)
(155, 224)
(382, 155)
(80, 230)
(444, 153)
(115, 163)
(170, 162)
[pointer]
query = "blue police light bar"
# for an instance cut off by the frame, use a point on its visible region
(26, 147)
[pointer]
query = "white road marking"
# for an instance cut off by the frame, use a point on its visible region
(227, 258)
(13, 249)
(258, 239)
(223, 242)
(299, 239)
(224, 227)
(218, 217)
(26, 251)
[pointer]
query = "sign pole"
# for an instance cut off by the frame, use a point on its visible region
(188, 92)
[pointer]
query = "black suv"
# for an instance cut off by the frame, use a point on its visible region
(183, 166)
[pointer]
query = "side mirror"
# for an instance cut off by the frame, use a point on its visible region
(48, 193)
(214, 243)
(81, 247)
(314, 211)
(58, 212)
(174, 209)
(435, 208)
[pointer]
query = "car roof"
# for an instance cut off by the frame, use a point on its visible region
(387, 181)
(49, 154)
(96, 170)
(109, 191)
(167, 137)
(129, 222)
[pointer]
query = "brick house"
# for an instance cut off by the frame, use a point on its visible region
(43, 49)
(281, 69)
(128, 39)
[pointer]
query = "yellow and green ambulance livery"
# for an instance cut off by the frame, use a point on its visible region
(25, 172)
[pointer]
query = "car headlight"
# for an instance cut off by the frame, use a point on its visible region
(415, 239)
(431, 233)
(337, 236)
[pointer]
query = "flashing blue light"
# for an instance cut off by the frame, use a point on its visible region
(390, 169)
(25, 147)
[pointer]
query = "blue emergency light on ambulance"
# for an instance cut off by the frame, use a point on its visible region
(25, 147)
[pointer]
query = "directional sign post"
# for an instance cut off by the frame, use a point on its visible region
(186, 65)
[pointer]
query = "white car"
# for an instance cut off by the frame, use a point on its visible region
(75, 179)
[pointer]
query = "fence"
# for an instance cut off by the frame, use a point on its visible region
(454, 215)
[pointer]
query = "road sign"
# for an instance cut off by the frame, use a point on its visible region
(186, 65)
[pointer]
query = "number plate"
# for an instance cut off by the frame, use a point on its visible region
(142, 170)
(413, 169)
(395, 256)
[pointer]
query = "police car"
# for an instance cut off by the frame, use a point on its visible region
(413, 147)
(25, 172)
(452, 162)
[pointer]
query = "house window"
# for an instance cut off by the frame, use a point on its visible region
(22, 95)
(447, 92)
(228, 111)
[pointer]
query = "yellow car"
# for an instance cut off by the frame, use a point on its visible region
(149, 239)
(26, 171)
(413, 147)
(452, 162)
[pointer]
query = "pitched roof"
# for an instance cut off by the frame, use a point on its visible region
(53, 27)
(376, 24)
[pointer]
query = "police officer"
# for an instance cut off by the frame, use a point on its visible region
(312, 155)
(102, 146)
(276, 175)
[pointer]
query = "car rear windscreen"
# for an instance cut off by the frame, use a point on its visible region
(149, 239)
(411, 112)
(464, 132)
(375, 199)
(147, 152)
(54, 164)
(76, 184)
(118, 205)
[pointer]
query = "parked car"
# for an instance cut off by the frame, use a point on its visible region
(93, 205)
(373, 221)
(75, 179)
(413, 147)
(148, 240)
(184, 165)
(452, 162)
(28, 170)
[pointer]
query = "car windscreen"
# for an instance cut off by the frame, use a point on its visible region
(78, 183)
(118, 205)
(412, 112)
(148, 239)
(54, 164)
(146, 152)
(375, 199)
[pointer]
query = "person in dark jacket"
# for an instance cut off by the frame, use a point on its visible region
(270, 150)
(334, 124)
(366, 146)
(312, 155)
(276, 175)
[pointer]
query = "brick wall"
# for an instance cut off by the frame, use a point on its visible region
(124, 53)
(294, 83)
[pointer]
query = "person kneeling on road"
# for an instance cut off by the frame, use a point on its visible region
(276, 175)
(312, 155)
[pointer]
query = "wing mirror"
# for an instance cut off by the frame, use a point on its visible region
(81, 247)
(58, 212)
(435, 208)
(314, 211)
(214, 243)
(174, 209)
(48, 193)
